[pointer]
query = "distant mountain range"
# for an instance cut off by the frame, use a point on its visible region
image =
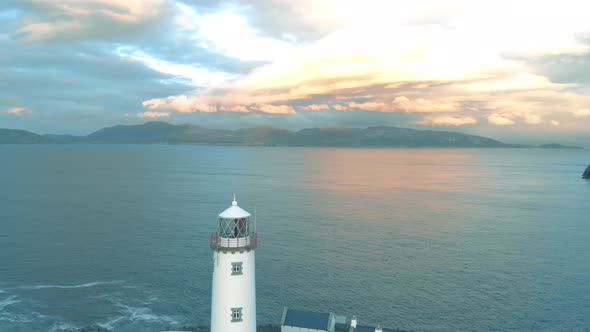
(165, 133)
(16, 136)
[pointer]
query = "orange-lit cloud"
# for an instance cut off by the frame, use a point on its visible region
(235, 108)
(274, 109)
(445, 120)
(533, 119)
(370, 106)
(16, 110)
(153, 115)
(501, 119)
(421, 105)
(394, 57)
(182, 104)
(314, 107)
(334, 62)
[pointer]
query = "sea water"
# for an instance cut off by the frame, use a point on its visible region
(416, 239)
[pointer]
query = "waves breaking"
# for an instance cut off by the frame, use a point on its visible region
(8, 301)
(89, 284)
(130, 314)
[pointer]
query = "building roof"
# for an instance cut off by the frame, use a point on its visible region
(234, 211)
(307, 319)
(342, 324)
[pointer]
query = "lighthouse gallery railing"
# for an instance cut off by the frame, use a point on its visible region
(243, 243)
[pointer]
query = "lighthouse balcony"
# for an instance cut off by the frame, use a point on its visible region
(241, 243)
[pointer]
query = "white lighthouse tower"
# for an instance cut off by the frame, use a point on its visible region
(233, 300)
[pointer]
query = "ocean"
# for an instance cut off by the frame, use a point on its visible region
(415, 239)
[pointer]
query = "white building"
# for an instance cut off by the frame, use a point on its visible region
(309, 321)
(233, 300)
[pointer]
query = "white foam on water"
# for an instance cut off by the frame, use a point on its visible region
(107, 296)
(150, 300)
(8, 301)
(16, 317)
(62, 325)
(137, 314)
(89, 284)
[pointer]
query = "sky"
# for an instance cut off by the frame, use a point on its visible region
(512, 70)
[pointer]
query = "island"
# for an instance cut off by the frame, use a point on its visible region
(156, 132)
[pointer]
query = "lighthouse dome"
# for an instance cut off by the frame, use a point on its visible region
(234, 212)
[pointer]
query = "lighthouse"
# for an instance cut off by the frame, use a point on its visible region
(233, 298)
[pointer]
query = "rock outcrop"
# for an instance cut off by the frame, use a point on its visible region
(96, 328)
(259, 328)
(586, 174)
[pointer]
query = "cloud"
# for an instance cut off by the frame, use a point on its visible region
(74, 19)
(508, 119)
(369, 106)
(153, 115)
(533, 119)
(501, 119)
(235, 108)
(228, 32)
(554, 123)
(182, 104)
(274, 109)
(17, 110)
(188, 104)
(44, 30)
(427, 69)
(197, 75)
(419, 105)
(314, 107)
(449, 61)
(445, 120)
(75, 88)
(582, 113)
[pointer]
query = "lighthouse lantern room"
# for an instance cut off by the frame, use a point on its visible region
(233, 298)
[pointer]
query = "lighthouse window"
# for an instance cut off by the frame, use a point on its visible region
(233, 228)
(236, 268)
(236, 315)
